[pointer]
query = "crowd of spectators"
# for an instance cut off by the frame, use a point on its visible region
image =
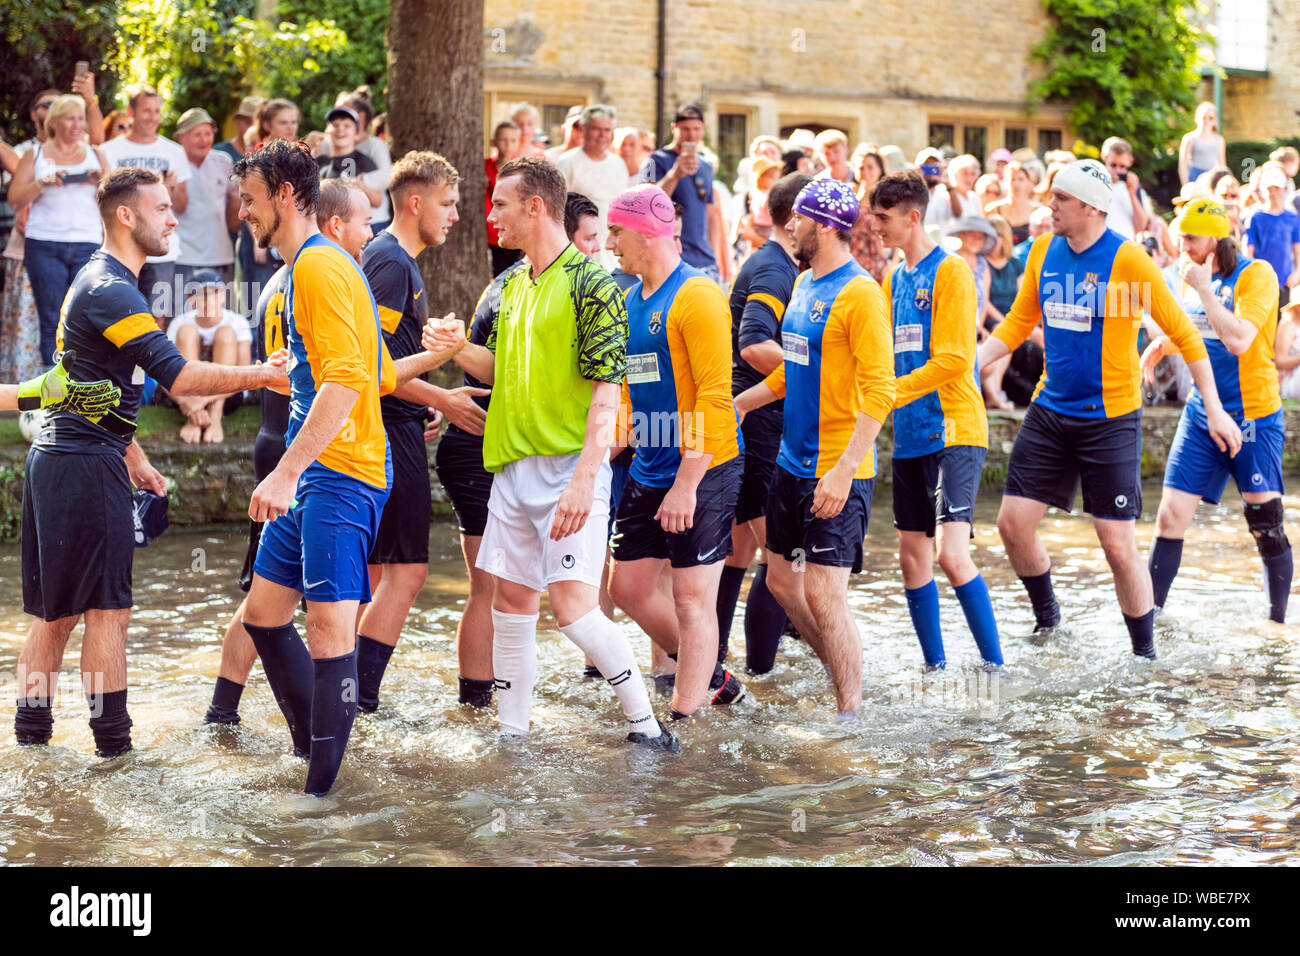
(986, 210)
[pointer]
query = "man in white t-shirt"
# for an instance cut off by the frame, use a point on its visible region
(145, 149)
(1126, 215)
(596, 172)
(209, 332)
(212, 213)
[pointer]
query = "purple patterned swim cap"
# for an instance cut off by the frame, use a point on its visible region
(829, 202)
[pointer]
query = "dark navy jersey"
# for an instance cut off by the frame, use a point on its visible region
(758, 300)
(398, 289)
(107, 321)
(269, 318)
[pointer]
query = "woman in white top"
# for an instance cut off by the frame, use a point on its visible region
(58, 178)
(1202, 149)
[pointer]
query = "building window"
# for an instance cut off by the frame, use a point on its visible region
(1242, 31)
(553, 115)
(733, 143)
(1048, 139)
(975, 140)
(1015, 137)
(942, 134)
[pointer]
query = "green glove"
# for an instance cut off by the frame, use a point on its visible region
(57, 391)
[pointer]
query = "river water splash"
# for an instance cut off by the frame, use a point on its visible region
(1080, 754)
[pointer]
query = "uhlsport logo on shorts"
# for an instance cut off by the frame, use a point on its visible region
(1121, 501)
(568, 561)
(921, 299)
(1256, 479)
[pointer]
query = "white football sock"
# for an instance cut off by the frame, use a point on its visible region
(514, 665)
(605, 646)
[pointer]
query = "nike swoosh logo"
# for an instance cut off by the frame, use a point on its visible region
(315, 738)
(314, 584)
(420, 293)
(820, 550)
(706, 555)
(1048, 275)
(962, 508)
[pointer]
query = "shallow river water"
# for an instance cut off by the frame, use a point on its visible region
(1084, 754)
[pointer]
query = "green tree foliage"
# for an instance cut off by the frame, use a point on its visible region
(361, 60)
(1129, 67)
(42, 41)
(210, 53)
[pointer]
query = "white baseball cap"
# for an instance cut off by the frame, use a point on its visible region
(1087, 181)
(1272, 176)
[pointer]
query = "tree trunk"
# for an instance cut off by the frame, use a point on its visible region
(435, 101)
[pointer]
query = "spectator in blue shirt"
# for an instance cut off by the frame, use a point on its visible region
(678, 171)
(1273, 234)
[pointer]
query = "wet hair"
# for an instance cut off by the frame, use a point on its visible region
(420, 169)
(538, 177)
(119, 188)
(576, 205)
(781, 197)
(280, 162)
(335, 199)
(906, 189)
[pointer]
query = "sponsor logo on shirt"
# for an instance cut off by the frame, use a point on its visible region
(908, 338)
(643, 368)
(1068, 316)
(1202, 323)
(794, 348)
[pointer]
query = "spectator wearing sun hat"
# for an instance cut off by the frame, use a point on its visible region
(755, 226)
(998, 161)
(244, 118)
(212, 213)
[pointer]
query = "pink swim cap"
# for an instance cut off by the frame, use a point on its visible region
(645, 209)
